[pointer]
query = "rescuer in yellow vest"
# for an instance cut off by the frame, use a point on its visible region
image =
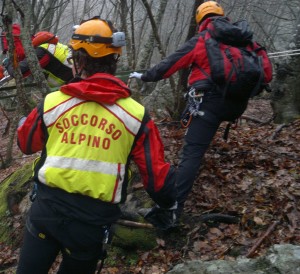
(53, 58)
(87, 133)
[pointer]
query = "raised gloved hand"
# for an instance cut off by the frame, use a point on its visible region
(162, 218)
(136, 75)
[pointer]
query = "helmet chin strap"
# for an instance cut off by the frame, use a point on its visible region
(77, 72)
(77, 76)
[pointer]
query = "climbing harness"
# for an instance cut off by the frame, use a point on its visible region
(230, 125)
(107, 237)
(33, 192)
(194, 100)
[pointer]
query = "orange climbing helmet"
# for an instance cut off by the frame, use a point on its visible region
(43, 37)
(98, 38)
(209, 7)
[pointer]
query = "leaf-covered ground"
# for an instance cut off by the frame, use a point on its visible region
(253, 177)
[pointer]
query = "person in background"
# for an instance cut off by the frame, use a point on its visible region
(88, 132)
(1, 72)
(212, 107)
(53, 58)
(18, 47)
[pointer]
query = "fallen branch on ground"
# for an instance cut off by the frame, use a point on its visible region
(134, 224)
(246, 117)
(277, 131)
(261, 239)
(218, 217)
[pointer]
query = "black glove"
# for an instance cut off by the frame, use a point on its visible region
(162, 218)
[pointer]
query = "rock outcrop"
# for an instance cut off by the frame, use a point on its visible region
(278, 260)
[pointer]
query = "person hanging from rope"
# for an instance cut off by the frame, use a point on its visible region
(53, 58)
(88, 132)
(207, 106)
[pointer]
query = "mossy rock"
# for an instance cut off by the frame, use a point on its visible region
(134, 238)
(128, 243)
(12, 190)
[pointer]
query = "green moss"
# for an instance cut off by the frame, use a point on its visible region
(117, 256)
(128, 243)
(134, 238)
(12, 189)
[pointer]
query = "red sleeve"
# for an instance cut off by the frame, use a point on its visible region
(180, 59)
(43, 58)
(31, 137)
(158, 175)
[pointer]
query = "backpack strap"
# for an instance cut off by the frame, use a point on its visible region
(222, 89)
(257, 88)
(207, 34)
(231, 124)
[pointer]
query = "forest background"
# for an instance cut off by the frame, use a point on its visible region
(261, 158)
(155, 29)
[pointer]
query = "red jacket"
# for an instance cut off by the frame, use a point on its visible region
(147, 151)
(48, 62)
(1, 72)
(191, 52)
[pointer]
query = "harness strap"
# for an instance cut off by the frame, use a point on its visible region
(230, 125)
(33, 231)
(107, 237)
(106, 241)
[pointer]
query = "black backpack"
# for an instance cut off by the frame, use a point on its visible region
(240, 67)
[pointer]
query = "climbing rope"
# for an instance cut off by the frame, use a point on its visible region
(284, 53)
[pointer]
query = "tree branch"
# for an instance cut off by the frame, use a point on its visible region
(134, 224)
(261, 239)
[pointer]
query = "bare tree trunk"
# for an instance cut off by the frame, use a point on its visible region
(24, 106)
(154, 24)
(132, 54)
(59, 15)
(154, 37)
(184, 74)
(7, 20)
(31, 57)
(124, 10)
(286, 95)
(192, 31)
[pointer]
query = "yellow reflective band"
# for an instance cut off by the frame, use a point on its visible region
(80, 164)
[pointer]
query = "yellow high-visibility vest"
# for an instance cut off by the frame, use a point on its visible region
(60, 52)
(88, 144)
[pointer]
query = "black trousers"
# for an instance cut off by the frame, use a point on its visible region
(47, 234)
(196, 142)
(198, 137)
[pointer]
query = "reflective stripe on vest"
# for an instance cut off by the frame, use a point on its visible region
(105, 135)
(129, 121)
(60, 52)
